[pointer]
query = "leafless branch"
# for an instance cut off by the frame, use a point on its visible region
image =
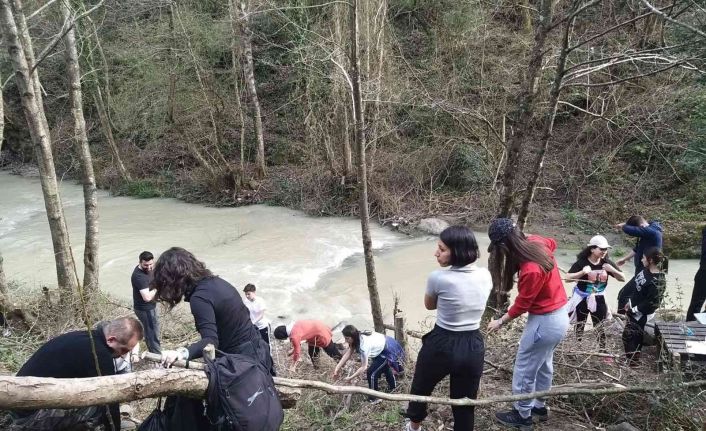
(674, 21)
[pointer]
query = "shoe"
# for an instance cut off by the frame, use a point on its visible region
(540, 414)
(375, 401)
(408, 427)
(513, 419)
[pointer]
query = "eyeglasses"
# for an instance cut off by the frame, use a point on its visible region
(602, 249)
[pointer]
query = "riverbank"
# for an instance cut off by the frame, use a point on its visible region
(574, 363)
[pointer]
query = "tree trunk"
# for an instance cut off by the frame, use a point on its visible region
(3, 280)
(249, 71)
(34, 114)
(339, 91)
(107, 130)
(362, 172)
(103, 104)
(2, 117)
(538, 165)
(236, 82)
(525, 109)
(172, 72)
(522, 123)
(88, 179)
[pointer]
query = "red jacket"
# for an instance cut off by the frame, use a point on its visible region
(315, 332)
(539, 292)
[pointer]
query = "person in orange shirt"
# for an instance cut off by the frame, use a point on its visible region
(316, 334)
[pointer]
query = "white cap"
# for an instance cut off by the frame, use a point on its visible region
(599, 241)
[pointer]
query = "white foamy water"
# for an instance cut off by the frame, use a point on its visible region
(283, 252)
(304, 267)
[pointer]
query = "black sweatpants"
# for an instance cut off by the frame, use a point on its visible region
(601, 313)
(632, 336)
(330, 350)
(444, 353)
(698, 296)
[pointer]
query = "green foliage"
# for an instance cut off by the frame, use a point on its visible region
(142, 189)
(468, 169)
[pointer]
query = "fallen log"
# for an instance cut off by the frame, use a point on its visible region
(287, 396)
(39, 392)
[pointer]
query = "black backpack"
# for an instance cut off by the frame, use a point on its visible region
(241, 395)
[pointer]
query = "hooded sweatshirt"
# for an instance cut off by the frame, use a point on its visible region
(538, 292)
(647, 237)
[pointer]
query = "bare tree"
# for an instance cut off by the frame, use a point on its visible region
(88, 179)
(3, 280)
(360, 141)
(28, 85)
(249, 72)
(101, 103)
(2, 115)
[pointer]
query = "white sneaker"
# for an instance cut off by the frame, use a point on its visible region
(408, 427)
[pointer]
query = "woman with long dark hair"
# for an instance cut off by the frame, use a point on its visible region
(643, 296)
(219, 313)
(379, 354)
(455, 346)
(591, 271)
(540, 293)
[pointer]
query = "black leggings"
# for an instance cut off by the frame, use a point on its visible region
(632, 336)
(330, 350)
(698, 295)
(601, 313)
(444, 353)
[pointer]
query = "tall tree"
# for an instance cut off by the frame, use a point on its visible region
(3, 280)
(28, 84)
(101, 103)
(88, 179)
(251, 84)
(360, 142)
(2, 115)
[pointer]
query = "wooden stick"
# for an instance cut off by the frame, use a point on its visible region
(44, 392)
(569, 389)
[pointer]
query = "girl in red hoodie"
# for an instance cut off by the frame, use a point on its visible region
(540, 294)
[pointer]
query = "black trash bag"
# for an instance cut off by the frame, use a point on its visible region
(156, 421)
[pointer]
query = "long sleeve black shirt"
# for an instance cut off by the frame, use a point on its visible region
(221, 317)
(70, 356)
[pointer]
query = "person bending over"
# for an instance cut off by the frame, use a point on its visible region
(317, 336)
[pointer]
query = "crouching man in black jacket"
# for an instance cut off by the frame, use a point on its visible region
(70, 356)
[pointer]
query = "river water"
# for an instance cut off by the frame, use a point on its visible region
(304, 267)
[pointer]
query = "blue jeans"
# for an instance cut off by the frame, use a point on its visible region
(534, 368)
(150, 323)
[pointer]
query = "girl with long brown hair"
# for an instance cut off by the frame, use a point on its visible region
(540, 293)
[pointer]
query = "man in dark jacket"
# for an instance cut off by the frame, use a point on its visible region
(70, 355)
(648, 234)
(698, 296)
(143, 300)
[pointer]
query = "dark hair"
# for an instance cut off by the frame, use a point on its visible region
(353, 332)
(123, 329)
(249, 288)
(518, 249)
(654, 255)
(146, 256)
(280, 332)
(462, 243)
(635, 220)
(583, 254)
(176, 274)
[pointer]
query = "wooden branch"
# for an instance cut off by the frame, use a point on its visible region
(40, 392)
(674, 21)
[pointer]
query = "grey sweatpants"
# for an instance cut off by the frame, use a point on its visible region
(533, 365)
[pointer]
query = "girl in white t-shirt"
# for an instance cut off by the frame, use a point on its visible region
(379, 354)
